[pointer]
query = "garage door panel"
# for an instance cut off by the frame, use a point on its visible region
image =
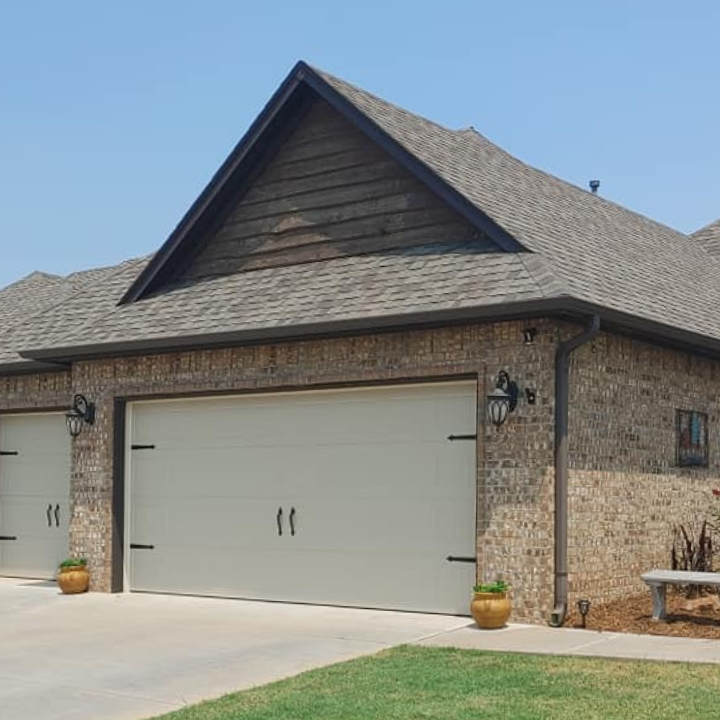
(205, 525)
(381, 496)
(34, 435)
(34, 476)
(246, 574)
(235, 472)
(372, 470)
(34, 494)
(381, 580)
(405, 525)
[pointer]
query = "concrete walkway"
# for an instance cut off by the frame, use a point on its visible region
(571, 641)
(131, 656)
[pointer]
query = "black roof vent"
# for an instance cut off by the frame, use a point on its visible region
(594, 186)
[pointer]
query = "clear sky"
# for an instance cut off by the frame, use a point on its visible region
(114, 115)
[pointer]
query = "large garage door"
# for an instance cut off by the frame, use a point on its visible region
(342, 497)
(34, 494)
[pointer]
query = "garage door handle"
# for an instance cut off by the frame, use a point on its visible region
(48, 513)
(278, 519)
(292, 521)
(137, 546)
(57, 516)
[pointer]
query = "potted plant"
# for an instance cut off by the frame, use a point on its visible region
(73, 576)
(490, 606)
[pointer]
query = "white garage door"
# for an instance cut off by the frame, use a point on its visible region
(350, 497)
(34, 494)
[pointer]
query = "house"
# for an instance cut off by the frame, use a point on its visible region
(293, 398)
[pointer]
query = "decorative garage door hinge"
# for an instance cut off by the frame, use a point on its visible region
(8, 537)
(142, 447)
(8, 452)
(462, 437)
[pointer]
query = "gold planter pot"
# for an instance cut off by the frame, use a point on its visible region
(490, 610)
(73, 580)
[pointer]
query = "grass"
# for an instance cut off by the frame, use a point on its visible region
(417, 683)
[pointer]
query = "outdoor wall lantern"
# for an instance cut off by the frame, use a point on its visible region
(529, 334)
(502, 400)
(80, 413)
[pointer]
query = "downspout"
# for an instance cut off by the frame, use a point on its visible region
(562, 374)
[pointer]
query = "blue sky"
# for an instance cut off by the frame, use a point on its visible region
(113, 116)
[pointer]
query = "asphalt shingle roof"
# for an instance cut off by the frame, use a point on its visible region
(427, 278)
(709, 237)
(600, 252)
(579, 246)
(44, 309)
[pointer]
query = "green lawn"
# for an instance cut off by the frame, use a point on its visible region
(415, 683)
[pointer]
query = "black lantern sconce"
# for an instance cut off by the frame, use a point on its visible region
(502, 400)
(529, 335)
(80, 413)
(583, 609)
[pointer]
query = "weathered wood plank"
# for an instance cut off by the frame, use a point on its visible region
(321, 147)
(328, 192)
(313, 166)
(320, 178)
(400, 210)
(382, 225)
(322, 205)
(324, 250)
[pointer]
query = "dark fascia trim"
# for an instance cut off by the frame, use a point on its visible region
(645, 330)
(31, 366)
(308, 331)
(303, 74)
(562, 307)
(207, 197)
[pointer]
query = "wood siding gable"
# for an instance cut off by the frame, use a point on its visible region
(328, 192)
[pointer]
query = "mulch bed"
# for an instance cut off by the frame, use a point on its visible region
(634, 615)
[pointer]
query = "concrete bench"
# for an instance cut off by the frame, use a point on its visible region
(658, 580)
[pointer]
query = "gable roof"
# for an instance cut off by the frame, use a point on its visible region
(562, 250)
(287, 104)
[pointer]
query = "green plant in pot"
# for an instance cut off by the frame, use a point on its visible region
(490, 605)
(73, 576)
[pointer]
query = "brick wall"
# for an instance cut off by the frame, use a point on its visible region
(626, 490)
(514, 485)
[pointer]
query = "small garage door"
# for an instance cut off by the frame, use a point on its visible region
(350, 497)
(34, 494)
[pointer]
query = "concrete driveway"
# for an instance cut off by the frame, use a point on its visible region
(124, 657)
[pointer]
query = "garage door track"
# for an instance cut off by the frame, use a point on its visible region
(131, 656)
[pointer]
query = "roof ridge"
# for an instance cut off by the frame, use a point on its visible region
(544, 275)
(340, 81)
(592, 197)
(33, 274)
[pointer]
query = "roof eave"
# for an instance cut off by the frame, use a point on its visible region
(562, 306)
(32, 367)
(306, 331)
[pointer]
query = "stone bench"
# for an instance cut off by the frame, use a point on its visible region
(658, 580)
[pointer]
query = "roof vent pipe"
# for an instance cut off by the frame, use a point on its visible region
(562, 379)
(594, 186)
